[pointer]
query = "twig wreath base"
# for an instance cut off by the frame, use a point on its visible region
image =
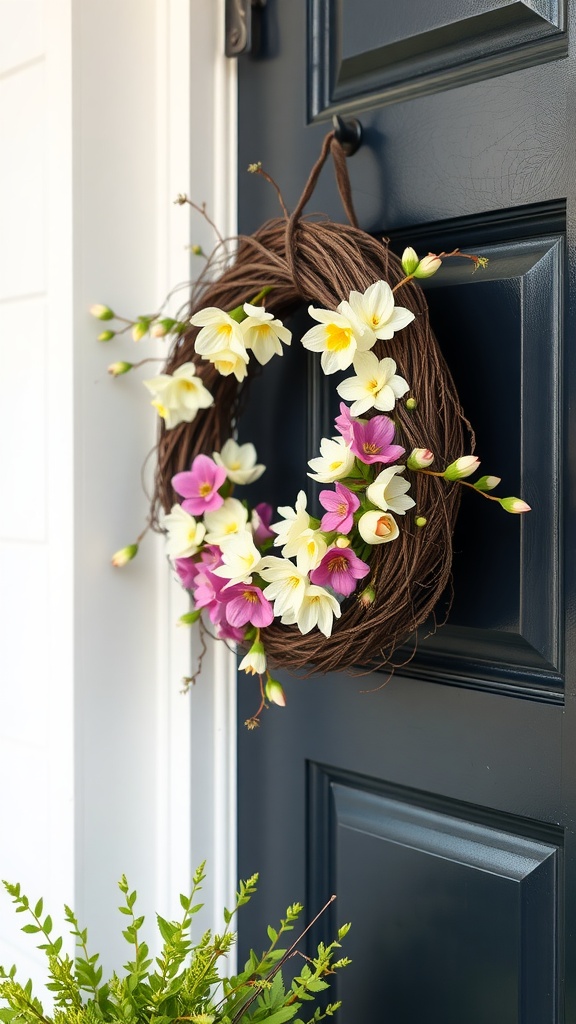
(300, 260)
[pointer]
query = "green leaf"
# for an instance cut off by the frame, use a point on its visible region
(48, 925)
(31, 929)
(38, 908)
(272, 934)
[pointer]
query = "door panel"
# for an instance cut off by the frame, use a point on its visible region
(439, 803)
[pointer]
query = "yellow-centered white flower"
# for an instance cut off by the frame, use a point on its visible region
(178, 395)
(375, 311)
(296, 538)
(286, 584)
(223, 522)
(334, 462)
(318, 608)
(239, 461)
(184, 533)
(388, 491)
(221, 341)
(378, 527)
(375, 386)
(263, 334)
(240, 558)
(338, 337)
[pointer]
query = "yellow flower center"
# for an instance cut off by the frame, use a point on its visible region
(231, 528)
(373, 385)
(335, 465)
(370, 448)
(161, 409)
(225, 330)
(191, 535)
(204, 490)
(293, 581)
(250, 596)
(234, 466)
(337, 338)
(187, 385)
(224, 366)
(338, 564)
(342, 508)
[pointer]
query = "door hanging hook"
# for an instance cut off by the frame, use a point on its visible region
(348, 133)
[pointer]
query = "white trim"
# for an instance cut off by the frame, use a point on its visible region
(196, 732)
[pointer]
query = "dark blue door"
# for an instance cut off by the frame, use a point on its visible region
(440, 807)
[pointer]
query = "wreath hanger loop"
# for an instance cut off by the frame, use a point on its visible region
(333, 147)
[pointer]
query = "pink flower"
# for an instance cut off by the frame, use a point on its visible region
(344, 423)
(187, 570)
(245, 603)
(340, 506)
(261, 519)
(224, 631)
(371, 440)
(340, 569)
(199, 486)
(207, 594)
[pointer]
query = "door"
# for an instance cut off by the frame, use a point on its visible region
(440, 804)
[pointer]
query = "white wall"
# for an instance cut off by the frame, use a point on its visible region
(96, 741)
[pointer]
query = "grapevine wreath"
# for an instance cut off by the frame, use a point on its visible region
(294, 591)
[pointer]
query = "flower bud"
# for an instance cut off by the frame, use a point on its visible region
(464, 466)
(420, 458)
(189, 618)
(514, 505)
(411, 404)
(181, 199)
(367, 597)
(140, 329)
(196, 250)
(428, 266)
(106, 335)
(255, 661)
(420, 520)
(487, 483)
(409, 260)
(125, 555)
(102, 312)
(377, 527)
(117, 369)
(275, 693)
(342, 542)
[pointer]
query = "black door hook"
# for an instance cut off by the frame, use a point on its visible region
(348, 133)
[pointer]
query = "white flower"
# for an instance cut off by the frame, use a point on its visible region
(223, 522)
(286, 584)
(239, 461)
(334, 462)
(221, 341)
(318, 608)
(255, 661)
(178, 396)
(377, 385)
(388, 491)
(185, 535)
(378, 527)
(337, 337)
(240, 558)
(296, 520)
(376, 311)
(263, 334)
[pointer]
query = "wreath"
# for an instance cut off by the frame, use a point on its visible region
(295, 591)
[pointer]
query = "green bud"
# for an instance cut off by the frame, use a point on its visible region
(106, 335)
(428, 266)
(411, 404)
(514, 505)
(462, 467)
(275, 693)
(367, 597)
(125, 555)
(420, 520)
(189, 618)
(102, 312)
(409, 260)
(117, 369)
(141, 328)
(487, 483)
(197, 250)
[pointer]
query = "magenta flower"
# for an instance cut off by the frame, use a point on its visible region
(344, 423)
(261, 519)
(199, 486)
(245, 603)
(340, 569)
(207, 594)
(187, 570)
(224, 631)
(340, 506)
(371, 440)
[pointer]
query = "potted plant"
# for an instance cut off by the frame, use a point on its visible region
(183, 983)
